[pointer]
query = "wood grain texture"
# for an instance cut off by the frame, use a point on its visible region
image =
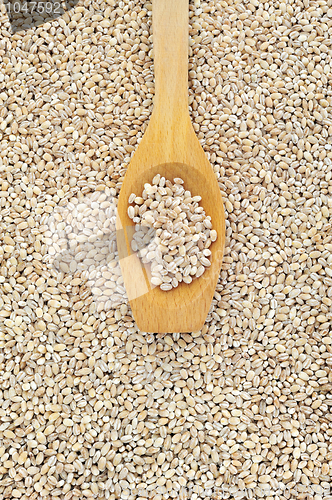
(170, 147)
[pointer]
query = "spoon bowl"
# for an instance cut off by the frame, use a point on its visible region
(170, 148)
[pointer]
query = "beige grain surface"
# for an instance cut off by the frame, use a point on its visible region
(172, 232)
(89, 406)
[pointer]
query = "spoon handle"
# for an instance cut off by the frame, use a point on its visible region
(170, 19)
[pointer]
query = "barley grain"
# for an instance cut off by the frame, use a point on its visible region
(160, 233)
(76, 96)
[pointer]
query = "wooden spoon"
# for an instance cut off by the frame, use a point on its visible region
(170, 147)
